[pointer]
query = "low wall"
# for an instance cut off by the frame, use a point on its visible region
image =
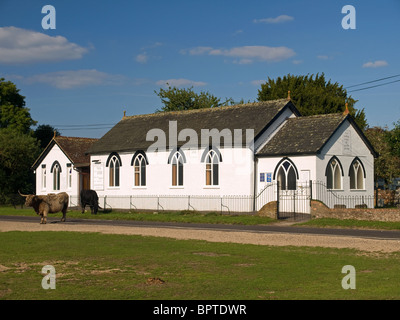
(319, 210)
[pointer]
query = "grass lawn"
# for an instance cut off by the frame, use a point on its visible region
(100, 266)
(163, 216)
(352, 223)
(212, 217)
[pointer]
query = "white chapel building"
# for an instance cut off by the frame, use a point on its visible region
(63, 166)
(227, 158)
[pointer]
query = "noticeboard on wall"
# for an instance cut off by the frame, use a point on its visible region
(98, 176)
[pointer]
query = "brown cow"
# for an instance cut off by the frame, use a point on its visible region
(45, 204)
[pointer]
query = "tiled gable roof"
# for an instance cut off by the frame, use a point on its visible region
(130, 133)
(73, 147)
(305, 135)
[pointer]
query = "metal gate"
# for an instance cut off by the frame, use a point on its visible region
(290, 204)
(294, 204)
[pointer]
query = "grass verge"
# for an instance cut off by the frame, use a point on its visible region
(163, 216)
(99, 266)
(351, 223)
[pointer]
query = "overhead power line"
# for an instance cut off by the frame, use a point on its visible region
(92, 128)
(377, 85)
(368, 82)
(83, 125)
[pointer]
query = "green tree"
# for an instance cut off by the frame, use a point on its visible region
(394, 139)
(175, 99)
(13, 113)
(312, 95)
(44, 133)
(18, 152)
(18, 148)
(387, 165)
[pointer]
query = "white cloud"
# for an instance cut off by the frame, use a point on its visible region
(142, 58)
(238, 32)
(323, 57)
(246, 54)
(243, 61)
(196, 51)
(181, 82)
(258, 82)
(75, 78)
(278, 19)
(375, 64)
(153, 45)
(297, 61)
(25, 46)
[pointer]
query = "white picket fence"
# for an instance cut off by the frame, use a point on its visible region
(224, 204)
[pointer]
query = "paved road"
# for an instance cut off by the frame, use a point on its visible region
(362, 233)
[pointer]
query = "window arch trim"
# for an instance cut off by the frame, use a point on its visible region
(360, 162)
(54, 164)
(207, 150)
(112, 154)
(280, 163)
(173, 152)
(141, 152)
(338, 161)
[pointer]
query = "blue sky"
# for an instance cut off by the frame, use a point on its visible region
(105, 57)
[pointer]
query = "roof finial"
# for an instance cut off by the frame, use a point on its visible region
(55, 133)
(288, 96)
(124, 115)
(346, 111)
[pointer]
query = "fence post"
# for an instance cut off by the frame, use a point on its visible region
(310, 182)
(294, 203)
(277, 199)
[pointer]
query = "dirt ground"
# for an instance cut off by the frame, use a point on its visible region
(257, 238)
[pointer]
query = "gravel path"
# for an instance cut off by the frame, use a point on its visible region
(257, 238)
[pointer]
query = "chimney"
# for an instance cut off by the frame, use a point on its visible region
(346, 112)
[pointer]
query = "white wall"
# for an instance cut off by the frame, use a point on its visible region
(235, 175)
(306, 167)
(56, 154)
(346, 144)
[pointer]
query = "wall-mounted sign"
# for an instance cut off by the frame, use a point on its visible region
(98, 176)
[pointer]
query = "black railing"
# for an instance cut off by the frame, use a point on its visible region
(336, 198)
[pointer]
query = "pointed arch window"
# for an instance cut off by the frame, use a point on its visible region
(357, 175)
(177, 169)
(56, 170)
(287, 175)
(69, 175)
(44, 174)
(114, 163)
(334, 173)
(139, 162)
(212, 168)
